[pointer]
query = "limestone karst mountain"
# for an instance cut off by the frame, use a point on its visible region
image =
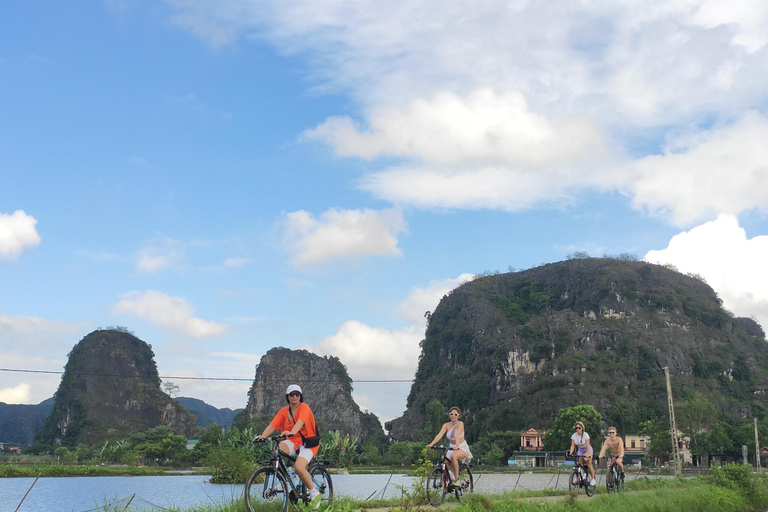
(110, 389)
(326, 385)
(513, 349)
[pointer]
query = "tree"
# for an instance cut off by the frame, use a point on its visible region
(558, 438)
(661, 441)
(694, 417)
(171, 389)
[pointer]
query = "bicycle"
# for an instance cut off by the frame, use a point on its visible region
(270, 483)
(439, 480)
(613, 480)
(580, 478)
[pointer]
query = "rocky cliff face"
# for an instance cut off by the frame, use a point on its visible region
(110, 389)
(326, 386)
(513, 349)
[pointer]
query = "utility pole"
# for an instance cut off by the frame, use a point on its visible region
(673, 426)
(757, 448)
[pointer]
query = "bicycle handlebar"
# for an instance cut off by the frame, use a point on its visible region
(273, 437)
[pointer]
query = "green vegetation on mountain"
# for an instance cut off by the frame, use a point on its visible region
(514, 349)
(110, 389)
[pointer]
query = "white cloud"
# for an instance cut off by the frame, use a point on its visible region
(497, 129)
(604, 56)
(375, 352)
(732, 264)
(342, 234)
(485, 150)
(237, 262)
(724, 169)
(172, 313)
(32, 343)
(17, 234)
(167, 254)
(748, 20)
(12, 325)
(576, 87)
(16, 395)
(421, 300)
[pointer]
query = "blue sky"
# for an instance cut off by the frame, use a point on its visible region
(226, 177)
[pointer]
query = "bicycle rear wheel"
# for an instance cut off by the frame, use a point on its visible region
(265, 486)
(322, 480)
(435, 488)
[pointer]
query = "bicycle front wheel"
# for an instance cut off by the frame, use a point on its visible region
(620, 484)
(574, 483)
(322, 480)
(264, 486)
(435, 488)
(467, 481)
(610, 481)
(589, 489)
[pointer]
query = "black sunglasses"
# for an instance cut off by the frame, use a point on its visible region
(295, 393)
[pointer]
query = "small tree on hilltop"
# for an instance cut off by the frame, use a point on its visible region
(558, 438)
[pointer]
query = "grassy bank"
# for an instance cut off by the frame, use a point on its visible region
(48, 470)
(730, 489)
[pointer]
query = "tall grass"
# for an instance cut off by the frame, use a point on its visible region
(705, 498)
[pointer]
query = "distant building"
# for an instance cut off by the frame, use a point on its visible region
(635, 447)
(531, 440)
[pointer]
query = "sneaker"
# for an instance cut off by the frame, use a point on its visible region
(314, 498)
(592, 482)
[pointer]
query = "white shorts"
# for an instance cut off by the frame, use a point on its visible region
(304, 452)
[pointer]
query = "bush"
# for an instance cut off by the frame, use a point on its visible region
(742, 479)
(229, 465)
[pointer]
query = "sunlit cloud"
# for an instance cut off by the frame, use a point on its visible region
(371, 353)
(375, 352)
(33, 343)
(701, 174)
(732, 264)
(421, 300)
(16, 395)
(342, 234)
(17, 234)
(174, 314)
(526, 104)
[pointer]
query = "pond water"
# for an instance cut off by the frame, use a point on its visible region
(156, 493)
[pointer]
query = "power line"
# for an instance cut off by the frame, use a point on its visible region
(179, 377)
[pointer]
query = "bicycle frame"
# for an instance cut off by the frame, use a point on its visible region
(583, 476)
(615, 483)
(440, 489)
(278, 463)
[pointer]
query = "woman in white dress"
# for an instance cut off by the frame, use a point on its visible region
(459, 449)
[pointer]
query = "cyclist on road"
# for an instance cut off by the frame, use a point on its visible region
(459, 449)
(580, 440)
(616, 445)
(294, 421)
